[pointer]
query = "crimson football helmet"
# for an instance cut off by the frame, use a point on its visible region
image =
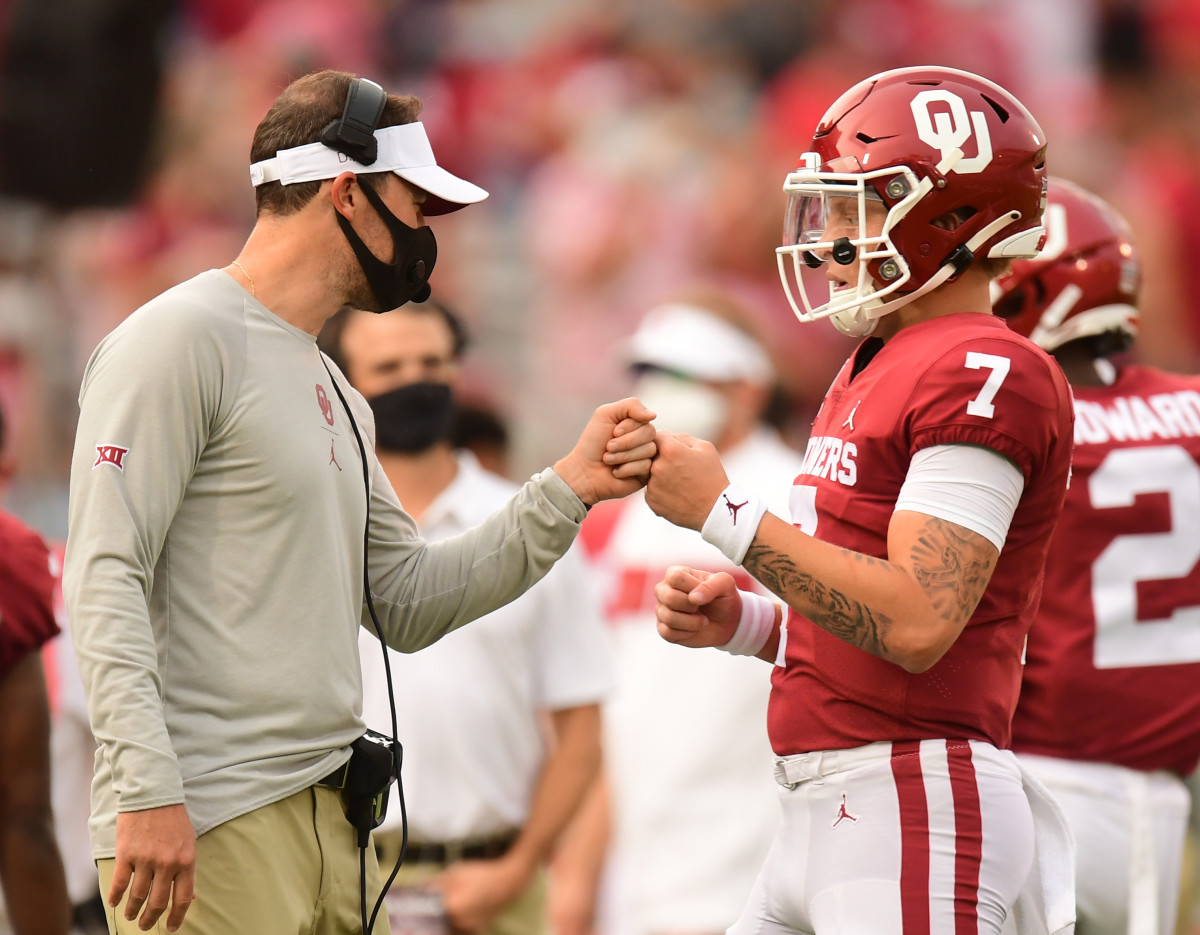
(957, 162)
(1086, 281)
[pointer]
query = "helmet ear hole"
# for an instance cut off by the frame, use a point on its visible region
(953, 220)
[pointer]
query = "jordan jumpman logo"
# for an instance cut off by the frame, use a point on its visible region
(842, 813)
(733, 507)
(333, 457)
(850, 418)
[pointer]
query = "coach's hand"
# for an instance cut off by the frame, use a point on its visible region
(156, 862)
(612, 457)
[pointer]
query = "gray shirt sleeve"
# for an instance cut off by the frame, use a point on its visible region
(137, 404)
(421, 591)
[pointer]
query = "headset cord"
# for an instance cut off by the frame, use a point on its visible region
(397, 750)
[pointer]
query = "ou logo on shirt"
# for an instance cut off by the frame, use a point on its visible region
(947, 132)
(325, 404)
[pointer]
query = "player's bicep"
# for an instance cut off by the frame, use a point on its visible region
(951, 520)
(951, 563)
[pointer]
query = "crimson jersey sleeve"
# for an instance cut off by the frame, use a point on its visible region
(990, 391)
(963, 379)
(26, 593)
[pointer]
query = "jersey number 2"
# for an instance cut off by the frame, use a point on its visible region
(1121, 639)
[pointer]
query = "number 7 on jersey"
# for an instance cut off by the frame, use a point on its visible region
(981, 405)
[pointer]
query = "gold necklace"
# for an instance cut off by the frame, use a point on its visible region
(253, 294)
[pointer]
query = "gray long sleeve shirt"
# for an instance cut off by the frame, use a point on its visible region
(214, 558)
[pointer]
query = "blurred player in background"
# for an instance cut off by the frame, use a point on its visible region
(933, 478)
(31, 869)
(500, 720)
(681, 860)
(72, 763)
(1109, 713)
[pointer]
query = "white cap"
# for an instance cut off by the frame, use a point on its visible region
(403, 149)
(692, 341)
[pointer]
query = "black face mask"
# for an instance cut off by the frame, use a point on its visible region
(413, 418)
(406, 278)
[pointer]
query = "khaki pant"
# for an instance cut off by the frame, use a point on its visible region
(525, 915)
(289, 868)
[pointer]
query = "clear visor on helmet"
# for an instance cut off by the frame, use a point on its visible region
(835, 224)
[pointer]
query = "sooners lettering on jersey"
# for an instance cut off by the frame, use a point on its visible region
(1113, 664)
(962, 379)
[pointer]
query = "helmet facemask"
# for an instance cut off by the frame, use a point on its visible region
(848, 204)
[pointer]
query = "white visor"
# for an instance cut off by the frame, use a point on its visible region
(691, 341)
(403, 149)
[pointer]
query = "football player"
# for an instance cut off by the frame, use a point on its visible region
(936, 469)
(1109, 714)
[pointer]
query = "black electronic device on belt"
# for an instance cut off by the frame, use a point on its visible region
(370, 772)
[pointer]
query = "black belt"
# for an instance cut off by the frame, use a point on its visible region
(448, 852)
(336, 779)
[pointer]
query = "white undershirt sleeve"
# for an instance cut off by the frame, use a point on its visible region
(965, 484)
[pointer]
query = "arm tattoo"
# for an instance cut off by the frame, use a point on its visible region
(832, 610)
(953, 568)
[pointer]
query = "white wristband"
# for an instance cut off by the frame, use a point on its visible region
(755, 626)
(733, 521)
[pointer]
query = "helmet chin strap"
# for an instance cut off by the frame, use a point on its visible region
(855, 321)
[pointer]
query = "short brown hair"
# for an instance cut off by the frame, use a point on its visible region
(299, 114)
(330, 338)
(995, 266)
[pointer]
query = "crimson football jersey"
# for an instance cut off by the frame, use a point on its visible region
(26, 592)
(1113, 665)
(960, 379)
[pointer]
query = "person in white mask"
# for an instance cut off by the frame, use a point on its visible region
(678, 858)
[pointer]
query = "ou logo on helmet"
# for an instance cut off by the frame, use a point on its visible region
(947, 132)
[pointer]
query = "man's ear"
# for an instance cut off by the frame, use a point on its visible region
(343, 192)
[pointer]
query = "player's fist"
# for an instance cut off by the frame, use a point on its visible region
(697, 608)
(685, 480)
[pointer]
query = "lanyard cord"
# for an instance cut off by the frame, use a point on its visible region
(397, 750)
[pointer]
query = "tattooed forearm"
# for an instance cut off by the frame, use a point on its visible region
(829, 608)
(953, 567)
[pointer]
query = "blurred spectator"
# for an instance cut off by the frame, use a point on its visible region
(1152, 80)
(62, 67)
(479, 429)
(689, 802)
(500, 720)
